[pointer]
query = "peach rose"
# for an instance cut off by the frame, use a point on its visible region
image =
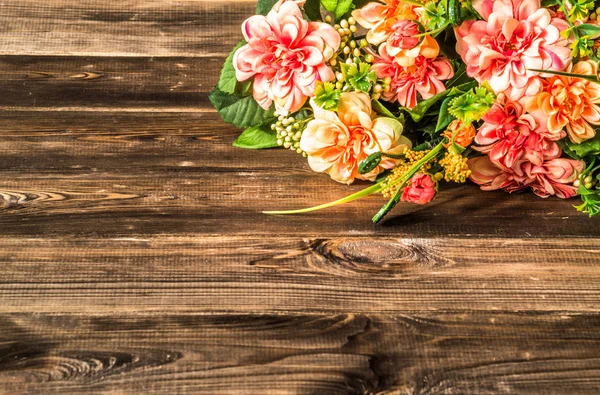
(337, 143)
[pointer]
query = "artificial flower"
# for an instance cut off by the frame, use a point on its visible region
(420, 191)
(510, 135)
(380, 18)
(462, 134)
(286, 55)
(424, 78)
(337, 143)
(326, 96)
(403, 44)
(514, 37)
(570, 103)
(552, 177)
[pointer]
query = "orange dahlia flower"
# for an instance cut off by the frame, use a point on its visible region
(570, 103)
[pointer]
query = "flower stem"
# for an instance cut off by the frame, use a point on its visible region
(375, 188)
(586, 77)
(365, 192)
(403, 180)
(433, 32)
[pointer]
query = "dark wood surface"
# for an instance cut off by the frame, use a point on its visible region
(134, 258)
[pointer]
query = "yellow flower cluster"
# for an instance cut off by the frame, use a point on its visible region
(594, 15)
(404, 165)
(455, 166)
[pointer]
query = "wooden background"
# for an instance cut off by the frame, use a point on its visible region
(134, 258)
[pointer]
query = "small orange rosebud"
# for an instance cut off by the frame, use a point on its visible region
(464, 137)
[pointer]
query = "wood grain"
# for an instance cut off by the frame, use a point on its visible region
(427, 353)
(134, 258)
(63, 171)
(281, 275)
(190, 28)
(108, 83)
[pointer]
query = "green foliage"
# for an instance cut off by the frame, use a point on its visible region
(326, 96)
(578, 10)
(444, 117)
(312, 9)
(227, 81)
(434, 15)
(264, 6)
(586, 29)
(589, 189)
(241, 111)
(370, 163)
(359, 76)
(584, 149)
(380, 109)
(419, 111)
(472, 105)
(460, 77)
(257, 137)
(339, 8)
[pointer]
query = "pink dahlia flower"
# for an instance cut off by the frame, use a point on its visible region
(286, 55)
(337, 143)
(420, 191)
(552, 177)
(515, 35)
(424, 78)
(510, 136)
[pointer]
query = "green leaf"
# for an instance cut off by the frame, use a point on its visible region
(264, 6)
(444, 118)
(380, 109)
(585, 148)
(312, 9)
(460, 77)
(257, 137)
(420, 109)
(338, 7)
(227, 81)
(586, 29)
(369, 163)
(567, 149)
(241, 111)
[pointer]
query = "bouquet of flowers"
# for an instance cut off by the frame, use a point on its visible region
(409, 93)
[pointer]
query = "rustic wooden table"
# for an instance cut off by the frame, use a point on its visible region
(134, 258)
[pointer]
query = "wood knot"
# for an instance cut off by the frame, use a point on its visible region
(383, 256)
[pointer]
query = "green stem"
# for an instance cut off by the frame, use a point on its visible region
(586, 77)
(436, 31)
(365, 192)
(411, 172)
(404, 179)
(375, 188)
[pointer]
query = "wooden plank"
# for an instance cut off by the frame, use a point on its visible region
(63, 171)
(39, 82)
(423, 353)
(188, 28)
(290, 274)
